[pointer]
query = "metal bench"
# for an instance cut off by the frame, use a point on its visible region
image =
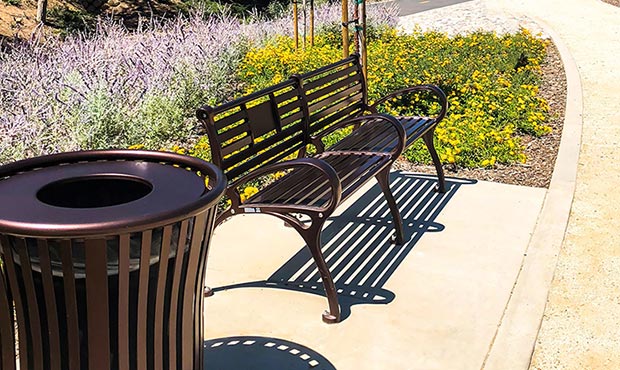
(257, 135)
(338, 92)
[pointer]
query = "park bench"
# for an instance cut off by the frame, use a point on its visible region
(268, 133)
(338, 92)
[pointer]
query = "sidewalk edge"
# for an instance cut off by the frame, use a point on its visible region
(514, 343)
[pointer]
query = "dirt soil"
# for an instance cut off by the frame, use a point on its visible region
(613, 2)
(540, 152)
(19, 22)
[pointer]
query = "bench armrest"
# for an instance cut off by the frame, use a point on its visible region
(370, 119)
(443, 100)
(323, 169)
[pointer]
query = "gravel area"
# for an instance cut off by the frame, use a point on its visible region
(541, 152)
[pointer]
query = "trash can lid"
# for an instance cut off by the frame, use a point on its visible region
(99, 198)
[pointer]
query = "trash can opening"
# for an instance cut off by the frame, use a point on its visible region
(94, 191)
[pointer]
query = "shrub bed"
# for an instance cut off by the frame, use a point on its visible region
(491, 82)
(115, 88)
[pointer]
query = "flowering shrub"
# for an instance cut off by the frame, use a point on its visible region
(491, 82)
(118, 88)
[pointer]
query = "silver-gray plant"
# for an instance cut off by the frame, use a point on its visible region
(117, 88)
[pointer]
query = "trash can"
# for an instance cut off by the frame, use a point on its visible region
(102, 260)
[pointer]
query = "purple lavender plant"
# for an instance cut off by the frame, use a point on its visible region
(118, 88)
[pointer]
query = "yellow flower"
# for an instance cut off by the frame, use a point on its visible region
(249, 191)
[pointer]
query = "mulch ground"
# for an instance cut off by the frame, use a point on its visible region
(613, 2)
(541, 152)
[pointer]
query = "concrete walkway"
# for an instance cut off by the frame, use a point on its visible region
(433, 303)
(474, 282)
(581, 325)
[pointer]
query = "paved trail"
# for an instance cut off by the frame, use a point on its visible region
(415, 6)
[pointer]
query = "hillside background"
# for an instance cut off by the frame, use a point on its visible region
(17, 17)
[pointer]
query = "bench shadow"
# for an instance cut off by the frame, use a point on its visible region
(357, 244)
(260, 353)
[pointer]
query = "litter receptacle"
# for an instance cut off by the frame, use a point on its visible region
(103, 256)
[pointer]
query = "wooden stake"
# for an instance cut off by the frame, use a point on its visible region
(311, 22)
(304, 36)
(345, 28)
(41, 11)
(363, 41)
(295, 24)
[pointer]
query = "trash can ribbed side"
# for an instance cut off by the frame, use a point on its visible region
(121, 293)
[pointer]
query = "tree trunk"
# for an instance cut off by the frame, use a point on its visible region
(41, 10)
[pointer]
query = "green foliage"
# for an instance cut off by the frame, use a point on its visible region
(13, 2)
(211, 7)
(240, 8)
(70, 20)
(491, 82)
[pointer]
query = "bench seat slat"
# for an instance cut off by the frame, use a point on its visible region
(355, 172)
(302, 187)
(415, 127)
(368, 138)
(294, 189)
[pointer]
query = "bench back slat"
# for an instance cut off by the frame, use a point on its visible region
(256, 130)
(313, 84)
(334, 93)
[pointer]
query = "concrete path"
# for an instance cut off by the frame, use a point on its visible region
(433, 303)
(407, 7)
(581, 325)
(469, 289)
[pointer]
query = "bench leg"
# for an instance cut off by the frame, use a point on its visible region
(441, 181)
(383, 178)
(312, 237)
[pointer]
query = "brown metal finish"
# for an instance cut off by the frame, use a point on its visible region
(50, 304)
(162, 277)
(35, 344)
(71, 310)
(253, 135)
(249, 141)
(104, 294)
(7, 340)
(97, 314)
(173, 329)
(255, 130)
(18, 304)
(339, 104)
(123, 301)
(423, 127)
(143, 290)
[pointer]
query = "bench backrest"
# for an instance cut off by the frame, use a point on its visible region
(334, 93)
(256, 130)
